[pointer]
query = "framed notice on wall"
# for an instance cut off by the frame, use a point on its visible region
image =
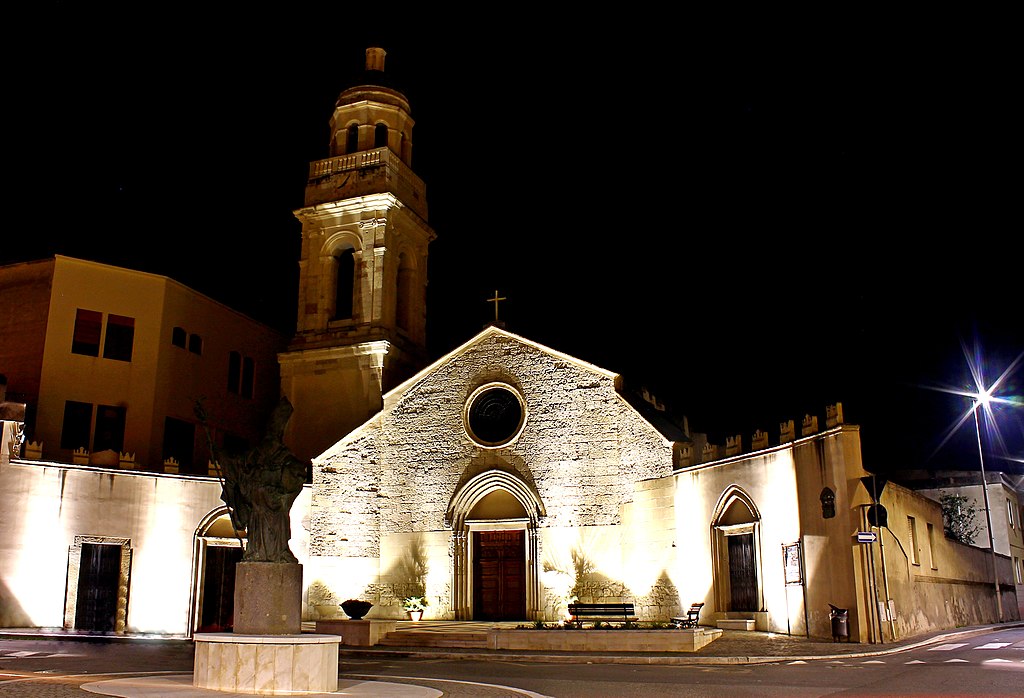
(791, 563)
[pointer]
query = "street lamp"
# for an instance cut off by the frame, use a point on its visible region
(980, 400)
(983, 397)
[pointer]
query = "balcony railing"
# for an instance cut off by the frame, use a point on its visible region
(354, 161)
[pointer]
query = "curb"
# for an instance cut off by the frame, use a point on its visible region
(667, 660)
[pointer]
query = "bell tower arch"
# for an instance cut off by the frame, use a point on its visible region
(361, 326)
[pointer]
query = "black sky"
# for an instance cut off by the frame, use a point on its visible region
(754, 218)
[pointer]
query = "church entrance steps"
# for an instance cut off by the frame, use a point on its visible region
(735, 624)
(740, 620)
(435, 638)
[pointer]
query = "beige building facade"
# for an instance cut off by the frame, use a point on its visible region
(111, 361)
(1007, 513)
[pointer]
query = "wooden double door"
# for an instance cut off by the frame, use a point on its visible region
(499, 575)
(742, 573)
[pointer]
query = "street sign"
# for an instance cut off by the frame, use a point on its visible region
(866, 536)
(877, 515)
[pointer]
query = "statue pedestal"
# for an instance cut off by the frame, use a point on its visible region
(266, 664)
(268, 598)
(357, 633)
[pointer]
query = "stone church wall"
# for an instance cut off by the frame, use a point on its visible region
(584, 451)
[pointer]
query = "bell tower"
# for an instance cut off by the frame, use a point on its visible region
(362, 268)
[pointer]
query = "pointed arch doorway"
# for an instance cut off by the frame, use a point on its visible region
(736, 543)
(494, 521)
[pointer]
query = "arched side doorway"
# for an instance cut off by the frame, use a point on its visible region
(494, 548)
(736, 547)
(218, 547)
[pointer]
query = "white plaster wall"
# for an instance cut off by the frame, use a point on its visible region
(770, 481)
(48, 505)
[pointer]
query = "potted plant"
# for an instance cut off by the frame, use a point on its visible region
(356, 608)
(414, 606)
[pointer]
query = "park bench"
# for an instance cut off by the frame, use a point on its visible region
(601, 611)
(690, 619)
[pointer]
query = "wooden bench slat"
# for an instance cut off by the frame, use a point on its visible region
(691, 619)
(625, 611)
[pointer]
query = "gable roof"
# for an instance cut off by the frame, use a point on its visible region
(484, 335)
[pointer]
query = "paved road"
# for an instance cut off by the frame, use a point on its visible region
(66, 666)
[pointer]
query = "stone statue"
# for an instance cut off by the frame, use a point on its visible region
(260, 486)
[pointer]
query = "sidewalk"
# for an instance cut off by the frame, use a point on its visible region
(733, 647)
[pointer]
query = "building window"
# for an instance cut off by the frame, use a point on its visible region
(494, 415)
(109, 428)
(86, 340)
(195, 344)
(241, 374)
(117, 344)
(344, 289)
(1009, 513)
(931, 546)
(380, 136)
(248, 376)
(235, 445)
(178, 336)
(179, 443)
(1018, 564)
(403, 303)
(234, 371)
(915, 555)
(352, 139)
(74, 431)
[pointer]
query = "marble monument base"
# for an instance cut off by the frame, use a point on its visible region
(266, 664)
(268, 598)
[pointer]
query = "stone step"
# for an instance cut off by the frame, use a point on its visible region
(412, 638)
(735, 624)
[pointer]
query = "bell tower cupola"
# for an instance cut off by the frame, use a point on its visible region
(362, 267)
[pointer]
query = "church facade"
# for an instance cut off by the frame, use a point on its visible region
(499, 482)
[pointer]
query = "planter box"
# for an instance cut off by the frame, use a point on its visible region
(688, 640)
(356, 633)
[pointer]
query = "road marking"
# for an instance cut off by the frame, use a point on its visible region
(873, 661)
(992, 646)
(947, 648)
(799, 661)
(916, 661)
(954, 661)
(511, 689)
(997, 661)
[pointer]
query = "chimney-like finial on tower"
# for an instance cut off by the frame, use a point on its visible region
(375, 59)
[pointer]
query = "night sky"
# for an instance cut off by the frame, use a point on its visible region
(752, 224)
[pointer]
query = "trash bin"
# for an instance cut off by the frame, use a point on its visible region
(840, 628)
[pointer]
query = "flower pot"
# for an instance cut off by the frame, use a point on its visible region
(415, 615)
(355, 608)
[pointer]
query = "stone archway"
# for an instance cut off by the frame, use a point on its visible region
(494, 548)
(218, 547)
(736, 546)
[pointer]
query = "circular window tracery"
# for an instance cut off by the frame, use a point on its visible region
(494, 415)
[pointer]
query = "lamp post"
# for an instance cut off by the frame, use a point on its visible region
(979, 400)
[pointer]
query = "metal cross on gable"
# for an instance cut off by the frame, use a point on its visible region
(496, 300)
